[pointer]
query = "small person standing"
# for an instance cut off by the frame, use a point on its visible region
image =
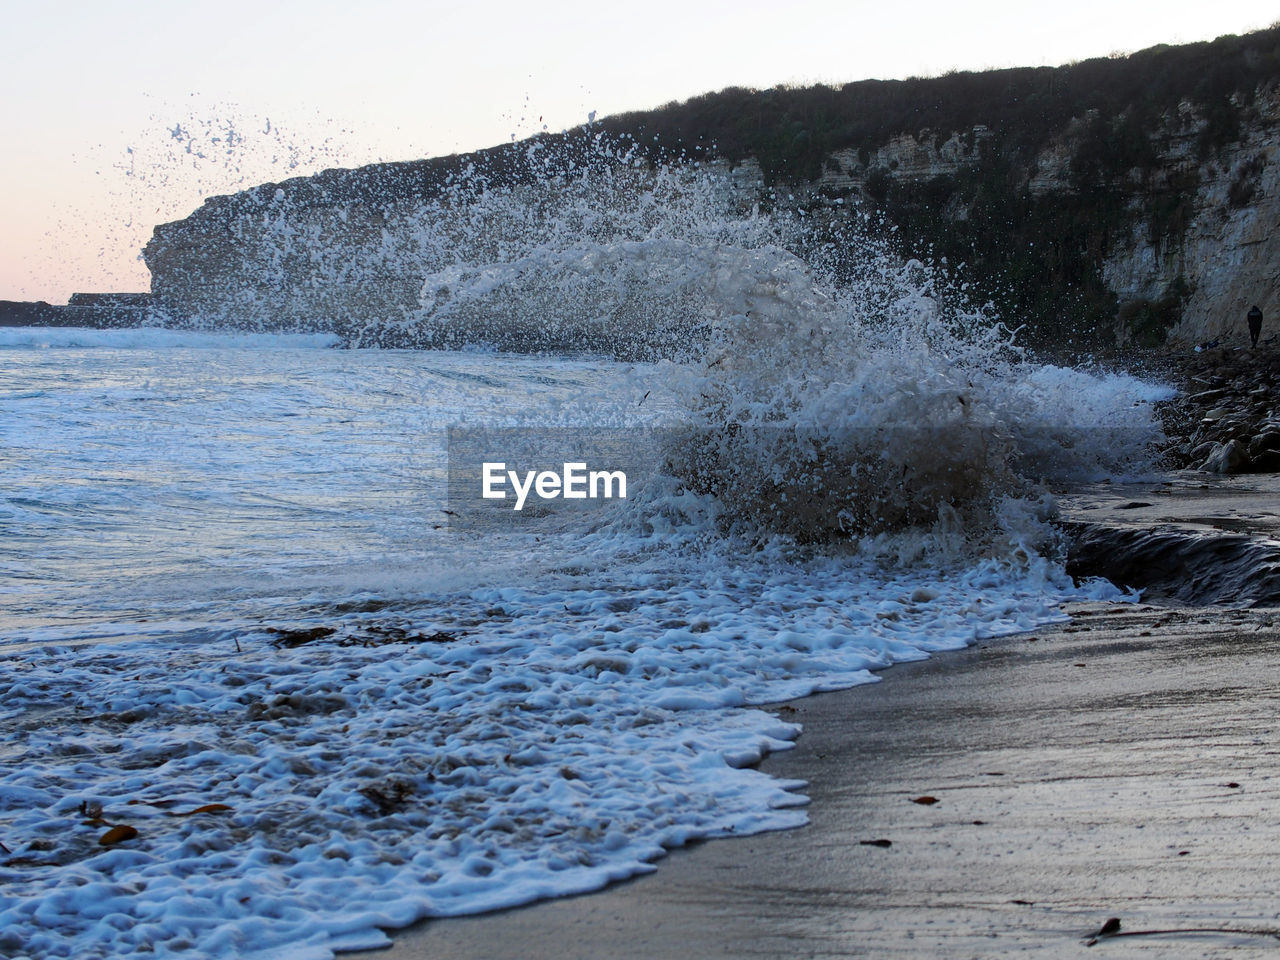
(1255, 325)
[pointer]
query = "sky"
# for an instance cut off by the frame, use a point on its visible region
(121, 114)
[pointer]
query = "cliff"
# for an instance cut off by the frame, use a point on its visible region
(1114, 202)
(98, 310)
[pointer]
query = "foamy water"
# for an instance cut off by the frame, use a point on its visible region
(527, 719)
(236, 619)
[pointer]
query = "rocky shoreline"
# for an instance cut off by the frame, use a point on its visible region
(1222, 441)
(1226, 418)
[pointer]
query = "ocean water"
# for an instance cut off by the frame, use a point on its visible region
(239, 616)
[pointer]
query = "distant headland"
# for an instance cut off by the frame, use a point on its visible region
(96, 310)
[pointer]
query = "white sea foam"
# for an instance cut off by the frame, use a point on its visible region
(515, 743)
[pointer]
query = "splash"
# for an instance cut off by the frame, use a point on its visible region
(831, 388)
(828, 410)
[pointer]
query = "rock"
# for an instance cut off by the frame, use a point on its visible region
(101, 311)
(1201, 451)
(1265, 441)
(1207, 396)
(1268, 461)
(1230, 457)
(1225, 398)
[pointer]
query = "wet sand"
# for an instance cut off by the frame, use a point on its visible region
(1126, 764)
(1185, 501)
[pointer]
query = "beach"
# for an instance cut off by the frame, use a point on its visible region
(265, 699)
(819, 498)
(1122, 765)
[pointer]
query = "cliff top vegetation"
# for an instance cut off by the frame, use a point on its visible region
(791, 130)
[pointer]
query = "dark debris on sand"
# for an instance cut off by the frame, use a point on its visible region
(368, 636)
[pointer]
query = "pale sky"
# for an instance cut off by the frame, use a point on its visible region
(116, 114)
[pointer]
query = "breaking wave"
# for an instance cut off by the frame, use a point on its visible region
(832, 388)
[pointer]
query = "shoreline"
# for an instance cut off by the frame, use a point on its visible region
(1094, 754)
(1192, 539)
(1118, 765)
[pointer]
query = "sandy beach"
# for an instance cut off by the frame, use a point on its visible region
(1123, 765)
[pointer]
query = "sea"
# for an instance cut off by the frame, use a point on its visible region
(272, 685)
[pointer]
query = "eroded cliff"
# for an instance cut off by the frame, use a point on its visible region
(1115, 202)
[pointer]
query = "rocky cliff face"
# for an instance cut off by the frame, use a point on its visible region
(1217, 254)
(1135, 222)
(1227, 258)
(271, 263)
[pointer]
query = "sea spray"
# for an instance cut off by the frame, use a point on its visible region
(832, 388)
